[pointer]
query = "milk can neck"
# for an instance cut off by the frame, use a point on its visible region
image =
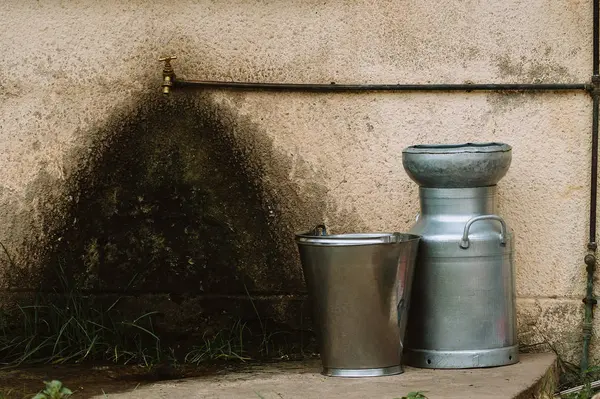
(458, 201)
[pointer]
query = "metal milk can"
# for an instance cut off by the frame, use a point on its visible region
(462, 311)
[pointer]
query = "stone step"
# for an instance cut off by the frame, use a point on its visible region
(535, 376)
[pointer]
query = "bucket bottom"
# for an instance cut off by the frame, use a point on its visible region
(375, 372)
(465, 359)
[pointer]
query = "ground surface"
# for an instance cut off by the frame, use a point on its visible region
(291, 380)
(87, 381)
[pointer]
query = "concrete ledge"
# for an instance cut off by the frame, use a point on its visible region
(534, 377)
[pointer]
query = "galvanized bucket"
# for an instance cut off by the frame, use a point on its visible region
(359, 286)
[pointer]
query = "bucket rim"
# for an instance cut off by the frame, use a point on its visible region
(350, 239)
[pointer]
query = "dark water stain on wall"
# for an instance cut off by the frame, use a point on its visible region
(176, 201)
(536, 69)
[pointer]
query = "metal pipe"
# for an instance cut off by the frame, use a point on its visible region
(334, 87)
(596, 38)
(589, 301)
(594, 172)
(590, 258)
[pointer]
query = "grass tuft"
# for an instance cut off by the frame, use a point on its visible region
(224, 345)
(69, 326)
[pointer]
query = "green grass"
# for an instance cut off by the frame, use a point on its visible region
(242, 343)
(5, 394)
(414, 395)
(68, 326)
(54, 390)
(224, 345)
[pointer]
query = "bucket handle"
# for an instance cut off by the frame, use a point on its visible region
(464, 243)
(319, 230)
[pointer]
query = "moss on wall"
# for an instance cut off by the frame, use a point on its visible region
(174, 200)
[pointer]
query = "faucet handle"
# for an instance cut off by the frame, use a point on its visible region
(167, 69)
(167, 59)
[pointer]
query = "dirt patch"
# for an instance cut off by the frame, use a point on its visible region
(91, 380)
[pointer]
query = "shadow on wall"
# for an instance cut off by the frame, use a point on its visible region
(176, 202)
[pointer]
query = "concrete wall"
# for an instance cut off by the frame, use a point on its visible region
(77, 78)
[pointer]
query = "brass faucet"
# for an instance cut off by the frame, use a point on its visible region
(168, 74)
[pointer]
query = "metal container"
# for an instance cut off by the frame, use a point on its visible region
(359, 286)
(457, 165)
(463, 301)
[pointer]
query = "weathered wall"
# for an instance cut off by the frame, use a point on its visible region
(82, 121)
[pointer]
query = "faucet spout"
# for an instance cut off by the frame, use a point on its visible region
(168, 74)
(167, 84)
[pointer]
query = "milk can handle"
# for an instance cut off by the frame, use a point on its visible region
(464, 243)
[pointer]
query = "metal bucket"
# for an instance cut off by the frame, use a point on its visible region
(359, 286)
